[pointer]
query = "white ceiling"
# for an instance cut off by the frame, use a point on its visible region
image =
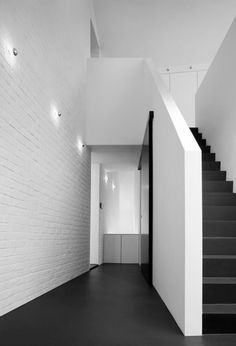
(174, 32)
(121, 157)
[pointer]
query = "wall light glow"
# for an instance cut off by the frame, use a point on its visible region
(80, 145)
(106, 179)
(54, 114)
(113, 187)
(8, 50)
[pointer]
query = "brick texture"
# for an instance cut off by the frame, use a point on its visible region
(44, 176)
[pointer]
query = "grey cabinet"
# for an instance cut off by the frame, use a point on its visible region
(121, 248)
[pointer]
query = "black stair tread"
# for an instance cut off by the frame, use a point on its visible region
(219, 280)
(197, 135)
(196, 132)
(220, 237)
(201, 142)
(219, 324)
(220, 224)
(219, 308)
(223, 193)
(214, 228)
(220, 198)
(211, 165)
(194, 129)
(212, 172)
(220, 207)
(205, 148)
(217, 186)
(219, 212)
(226, 228)
(208, 156)
(231, 222)
(218, 182)
(219, 246)
(214, 175)
(219, 256)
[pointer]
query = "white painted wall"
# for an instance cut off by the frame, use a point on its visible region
(177, 223)
(216, 105)
(44, 175)
(115, 101)
(116, 98)
(93, 19)
(183, 82)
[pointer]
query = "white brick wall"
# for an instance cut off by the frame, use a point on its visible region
(44, 178)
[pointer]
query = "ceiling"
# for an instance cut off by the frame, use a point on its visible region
(174, 32)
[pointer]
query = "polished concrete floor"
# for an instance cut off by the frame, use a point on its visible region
(110, 306)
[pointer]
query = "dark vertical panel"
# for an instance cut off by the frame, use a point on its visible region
(146, 187)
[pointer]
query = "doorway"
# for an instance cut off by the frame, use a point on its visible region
(115, 205)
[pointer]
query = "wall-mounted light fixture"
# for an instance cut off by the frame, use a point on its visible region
(15, 51)
(9, 51)
(59, 114)
(113, 186)
(106, 178)
(55, 114)
(80, 145)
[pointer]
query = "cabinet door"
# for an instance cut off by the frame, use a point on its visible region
(183, 87)
(112, 248)
(129, 248)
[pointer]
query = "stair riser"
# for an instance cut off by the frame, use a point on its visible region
(219, 294)
(219, 267)
(217, 186)
(198, 137)
(208, 157)
(217, 199)
(213, 246)
(219, 213)
(219, 229)
(201, 142)
(194, 130)
(219, 323)
(211, 165)
(205, 148)
(213, 175)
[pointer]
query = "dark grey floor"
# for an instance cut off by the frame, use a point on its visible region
(109, 306)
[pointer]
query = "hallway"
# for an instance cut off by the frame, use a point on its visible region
(111, 305)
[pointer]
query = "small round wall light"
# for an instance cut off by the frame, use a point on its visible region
(80, 145)
(15, 51)
(59, 114)
(106, 178)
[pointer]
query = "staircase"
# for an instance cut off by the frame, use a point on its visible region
(219, 245)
